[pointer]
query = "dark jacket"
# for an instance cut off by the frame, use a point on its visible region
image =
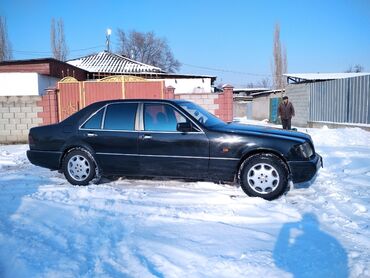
(286, 111)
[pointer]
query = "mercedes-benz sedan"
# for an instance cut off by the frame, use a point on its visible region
(172, 139)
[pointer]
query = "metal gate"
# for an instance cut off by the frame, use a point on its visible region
(74, 95)
(274, 104)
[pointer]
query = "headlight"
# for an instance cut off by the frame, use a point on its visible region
(305, 150)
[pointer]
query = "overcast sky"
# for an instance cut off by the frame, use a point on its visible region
(229, 39)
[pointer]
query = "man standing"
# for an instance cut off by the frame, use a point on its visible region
(286, 112)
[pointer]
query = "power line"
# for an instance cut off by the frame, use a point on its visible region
(49, 52)
(226, 71)
(35, 53)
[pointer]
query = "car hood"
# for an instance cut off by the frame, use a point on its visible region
(262, 130)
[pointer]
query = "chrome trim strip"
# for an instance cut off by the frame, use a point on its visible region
(115, 130)
(103, 118)
(224, 158)
(139, 117)
(46, 151)
(168, 156)
(136, 131)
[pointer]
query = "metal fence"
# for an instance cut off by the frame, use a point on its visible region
(341, 101)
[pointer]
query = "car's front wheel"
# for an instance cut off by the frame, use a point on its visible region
(264, 175)
(79, 167)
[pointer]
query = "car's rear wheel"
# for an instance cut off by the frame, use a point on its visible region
(264, 175)
(79, 167)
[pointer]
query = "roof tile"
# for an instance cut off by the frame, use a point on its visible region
(107, 62)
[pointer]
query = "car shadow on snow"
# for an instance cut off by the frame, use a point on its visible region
(306, 251)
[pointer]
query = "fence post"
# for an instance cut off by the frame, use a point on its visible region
(49, 104)
(169, 92)
(227, 102)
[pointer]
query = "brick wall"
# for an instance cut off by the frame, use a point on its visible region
(49, 107)
(17, 115)
(219, 104)
(299, 96)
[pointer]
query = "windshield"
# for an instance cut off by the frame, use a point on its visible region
(202, 115)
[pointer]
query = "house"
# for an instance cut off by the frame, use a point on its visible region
(105, 64)
(332, 99)
(243, 92)
(265, 104)
(242, 101)
(33, 76)
(22, 86)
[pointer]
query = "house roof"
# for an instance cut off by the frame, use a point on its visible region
(264, 93)
(302, 77)
(183, 76)
(249, 90)
(107, 62)
(46, 66)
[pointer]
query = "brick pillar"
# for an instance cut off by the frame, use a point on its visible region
(169, 92)
(49, 103)
(225, 102)
(228, 97)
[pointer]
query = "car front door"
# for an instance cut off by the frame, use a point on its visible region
(165, 151)
(111, 133)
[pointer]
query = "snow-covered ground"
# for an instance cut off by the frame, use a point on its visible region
(137, 228)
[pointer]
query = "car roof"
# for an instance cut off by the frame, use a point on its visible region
(139, 100)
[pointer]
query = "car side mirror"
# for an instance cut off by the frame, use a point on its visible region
(184, 127)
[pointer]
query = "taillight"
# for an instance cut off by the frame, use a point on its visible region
(30, 140)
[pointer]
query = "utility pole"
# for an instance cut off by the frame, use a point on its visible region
(107, 42)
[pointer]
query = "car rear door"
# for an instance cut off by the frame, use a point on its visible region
(164, 151)
(111, 133)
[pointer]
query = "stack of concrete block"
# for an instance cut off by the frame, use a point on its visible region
(17, 115)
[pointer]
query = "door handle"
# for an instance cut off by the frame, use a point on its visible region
(146, 136)
(90, 134)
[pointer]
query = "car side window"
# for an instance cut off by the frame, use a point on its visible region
(95, 121)
(161, 117)
(120, 116)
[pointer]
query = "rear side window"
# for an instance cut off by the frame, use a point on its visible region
(95, 121)
(120, 116)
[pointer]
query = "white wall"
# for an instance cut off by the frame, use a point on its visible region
(24, 83)
(299, 96)
(261, 108)
(190, 85)
(46, 81)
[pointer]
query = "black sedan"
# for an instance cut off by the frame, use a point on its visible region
(172, 138)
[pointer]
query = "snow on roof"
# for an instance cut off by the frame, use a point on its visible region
(107, 62)
(325, 76)
(268, 92)
(250, 89)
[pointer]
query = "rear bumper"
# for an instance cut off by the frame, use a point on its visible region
(305, 171)
(46, 159)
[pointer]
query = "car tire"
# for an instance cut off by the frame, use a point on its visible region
(79, 167)
(264, 175)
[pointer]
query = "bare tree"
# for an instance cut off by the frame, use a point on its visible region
(148, 49)
(285, 65)
(264, 83)
(57, 40)
(355, 68)
(5, 46)
(280, 60)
